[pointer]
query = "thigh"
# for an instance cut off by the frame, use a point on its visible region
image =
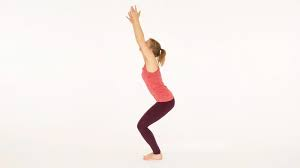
(155, 112)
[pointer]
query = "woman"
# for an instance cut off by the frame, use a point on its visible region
(153, 55)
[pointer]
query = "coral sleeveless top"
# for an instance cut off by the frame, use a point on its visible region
(156, 86)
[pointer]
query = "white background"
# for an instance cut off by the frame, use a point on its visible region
(71, 91)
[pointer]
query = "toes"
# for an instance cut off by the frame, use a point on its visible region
(151, 156)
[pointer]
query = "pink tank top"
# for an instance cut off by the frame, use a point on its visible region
(155, 85)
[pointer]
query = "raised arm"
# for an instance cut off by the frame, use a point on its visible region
(139, 35)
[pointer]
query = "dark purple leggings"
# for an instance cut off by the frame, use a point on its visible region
(154, 113)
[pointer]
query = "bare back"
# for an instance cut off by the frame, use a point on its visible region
(151, 66)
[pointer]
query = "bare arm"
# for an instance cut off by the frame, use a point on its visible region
(138, 32)
(134, 19)
(139, 35)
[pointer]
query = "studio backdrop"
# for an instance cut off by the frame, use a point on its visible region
(71, 86)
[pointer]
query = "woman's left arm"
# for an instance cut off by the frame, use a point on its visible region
(139, 36)
(138, 32)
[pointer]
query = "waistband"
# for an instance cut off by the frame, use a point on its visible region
(168, 101)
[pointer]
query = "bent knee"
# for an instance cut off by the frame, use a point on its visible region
(141, 126)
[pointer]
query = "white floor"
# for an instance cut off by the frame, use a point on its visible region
(83, 156)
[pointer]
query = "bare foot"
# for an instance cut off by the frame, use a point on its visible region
(152, 156)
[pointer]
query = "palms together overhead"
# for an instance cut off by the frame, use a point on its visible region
(133, 14)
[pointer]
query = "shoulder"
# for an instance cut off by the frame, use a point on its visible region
(151, 67)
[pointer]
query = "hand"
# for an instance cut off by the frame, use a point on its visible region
(133, 14)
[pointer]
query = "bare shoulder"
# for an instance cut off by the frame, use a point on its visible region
(151, 66)
(149, 58)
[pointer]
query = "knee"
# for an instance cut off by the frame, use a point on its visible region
(141, 126)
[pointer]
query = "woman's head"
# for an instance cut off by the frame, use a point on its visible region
(157, 50)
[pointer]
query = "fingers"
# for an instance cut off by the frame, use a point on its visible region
(129, 13)
(134, 9)
(128, 19)
(134, 12)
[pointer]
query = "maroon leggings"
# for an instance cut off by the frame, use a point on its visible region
(154, 113)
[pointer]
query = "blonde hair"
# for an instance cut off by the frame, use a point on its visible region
(158, 51)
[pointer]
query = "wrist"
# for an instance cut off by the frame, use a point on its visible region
(135, 20)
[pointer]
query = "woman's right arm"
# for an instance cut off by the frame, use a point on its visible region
(139, 35)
